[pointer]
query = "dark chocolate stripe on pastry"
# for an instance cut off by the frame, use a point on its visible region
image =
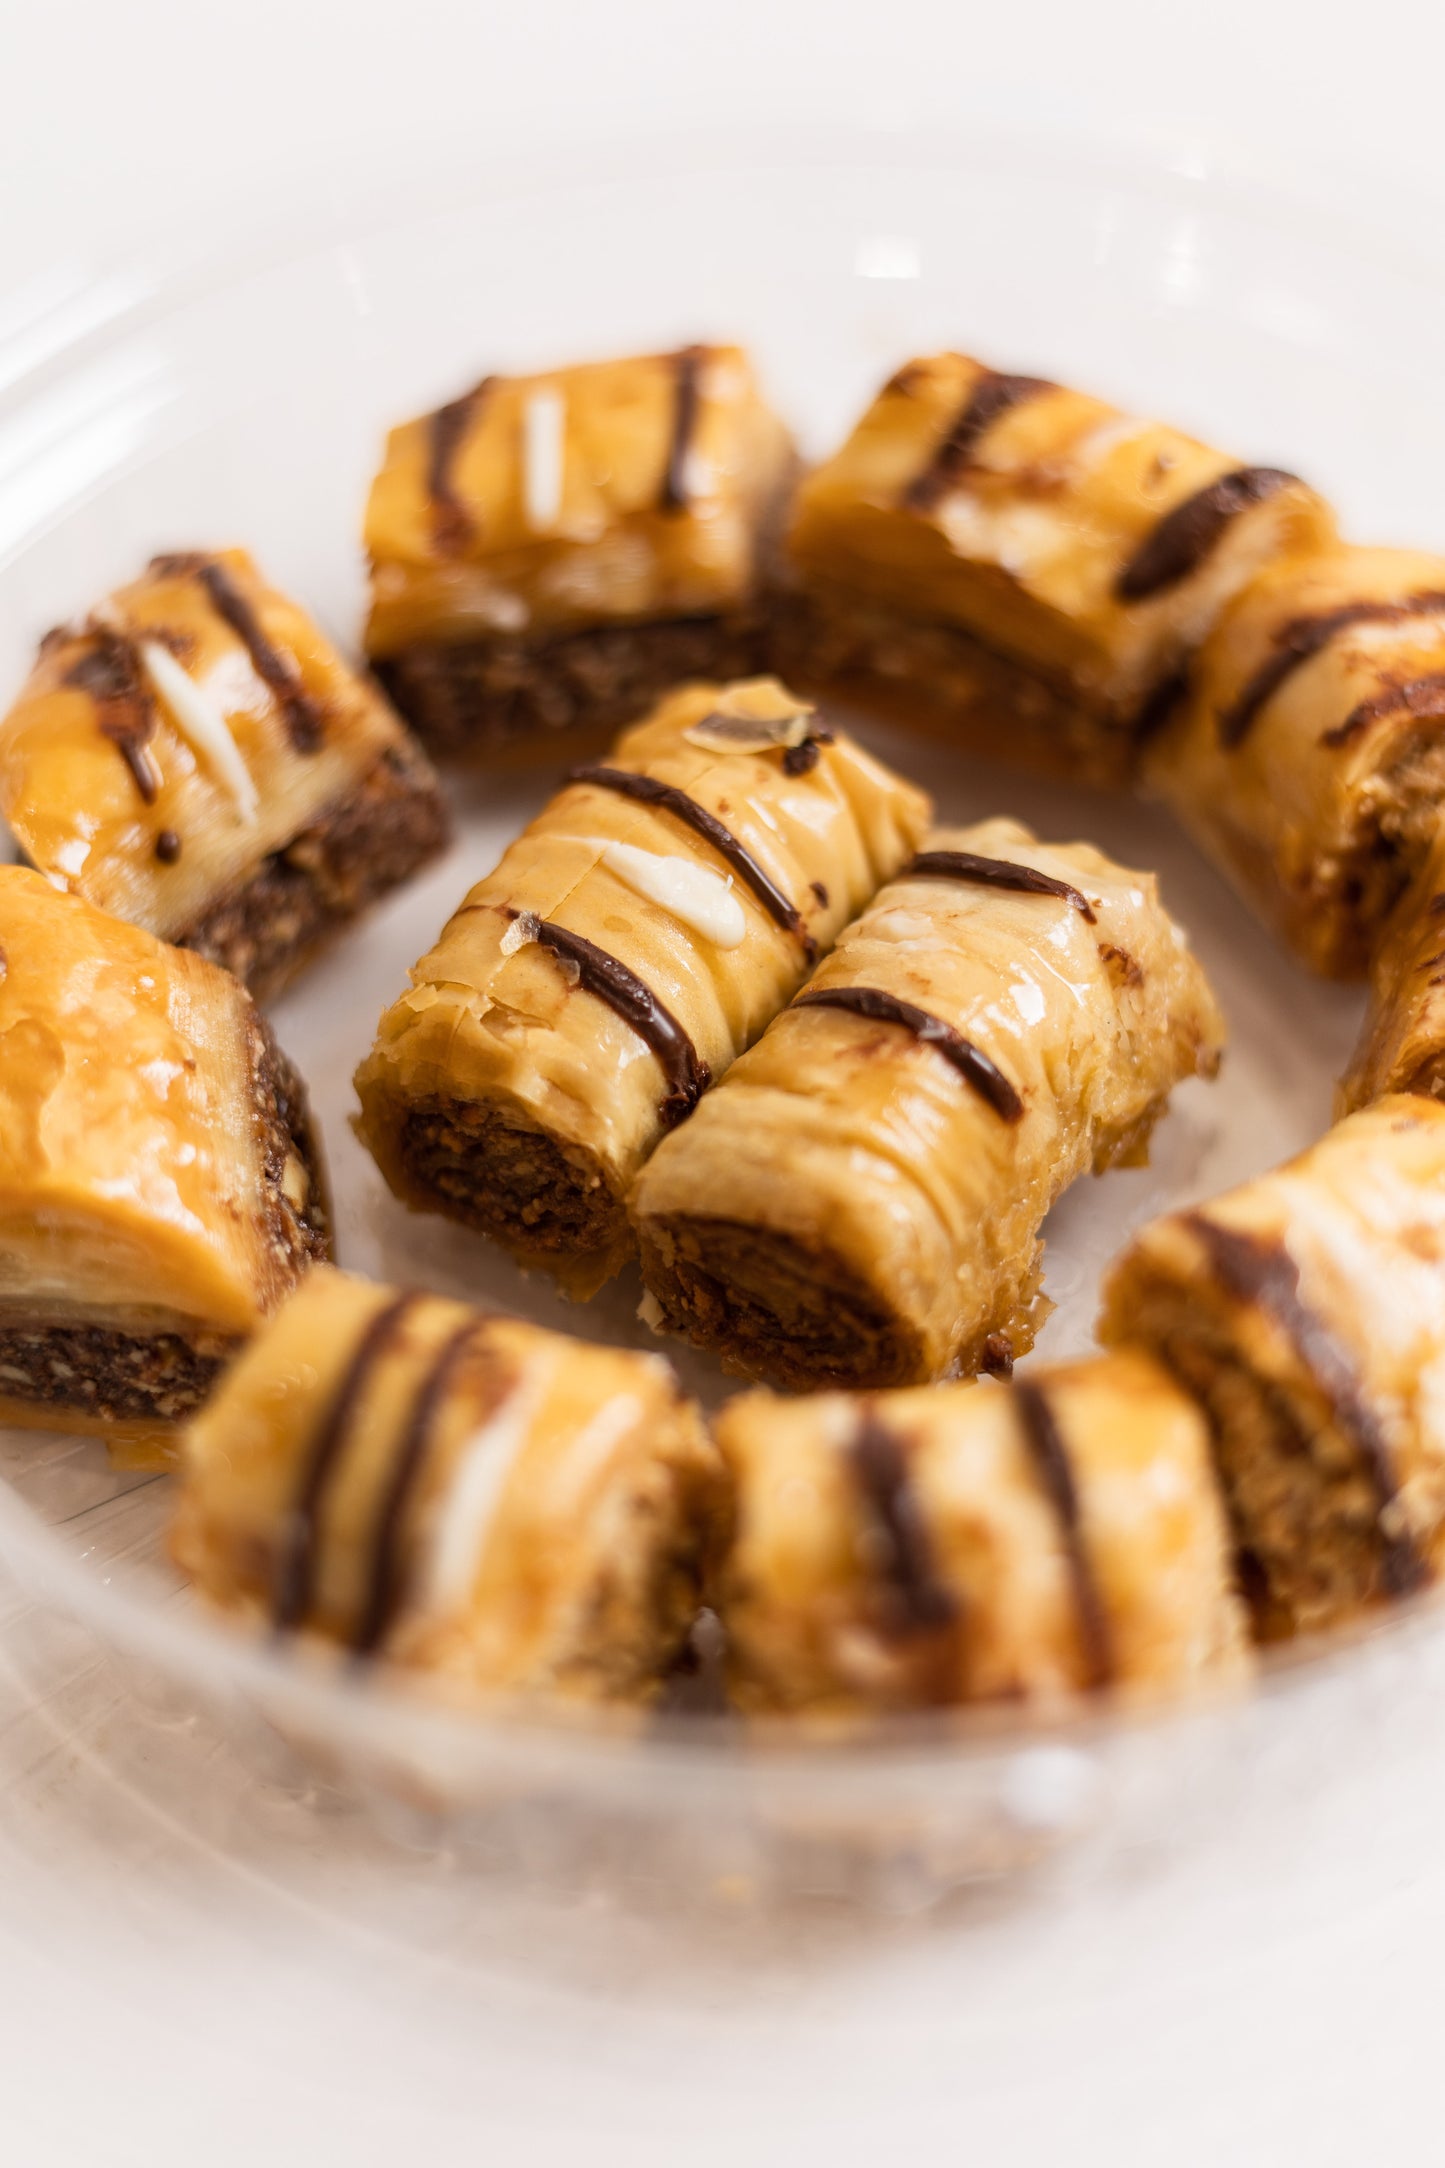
(302, 713)
(1303, 637)
(686, 1073)
(991, 397)
(972, 1064)
(1157, 707)
(1422, 697)
(110, 673)
(687, 369)
(647, 790)
(1183, 539)
(1050, 1455)
(1252, 1271)
(383, 1580)
(452, 523)
(296, 1564)
(998, 873)
(923, 1602)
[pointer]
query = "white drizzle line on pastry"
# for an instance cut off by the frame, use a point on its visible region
(201, 722)
(700, 899)
(544, 421)
(482, 1468)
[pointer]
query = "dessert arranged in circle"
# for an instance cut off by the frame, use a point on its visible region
(735, 1014)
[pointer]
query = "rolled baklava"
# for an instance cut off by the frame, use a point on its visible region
(160, 1188)
(1308, 757)
(196, 758)
(552, 552)
(1029, 1542)
(1305, 1311)
(859, 1202)
(464, 1494)
(1402, 1041)
(1021, 568)
(633, 940)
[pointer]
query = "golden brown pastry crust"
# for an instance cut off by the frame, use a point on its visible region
(1307, 757)
(975, 1543)
(859, 1202)
(251, 844)
(1086, 551)
(160, 1187)
(465, 1495)
(512, 1087)
(1304, 1310)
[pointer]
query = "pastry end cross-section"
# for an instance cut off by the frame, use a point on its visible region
(160, 1184)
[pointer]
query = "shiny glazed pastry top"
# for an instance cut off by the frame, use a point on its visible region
(607, 491)
(1090, 547)
(133, 1134)
(195, 722)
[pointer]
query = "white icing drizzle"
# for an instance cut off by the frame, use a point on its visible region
(482, 1468)
(700, 899)
(544, 422)
(201, 722)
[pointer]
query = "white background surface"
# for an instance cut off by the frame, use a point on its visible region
(1277, 2009)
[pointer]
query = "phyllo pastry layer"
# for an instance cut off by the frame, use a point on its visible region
(859, 1201)
(1020, 567)
(1308, 755)
(196, 758)
(633, 940)
(554, 551)
(160, 1188)
(974, 1543)
(461, 1493)
(1401, 1047)
(1305, 1311)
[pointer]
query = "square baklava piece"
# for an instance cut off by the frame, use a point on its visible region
(196, 757)
(160, 1184)
(1020, 568)
(551, 552)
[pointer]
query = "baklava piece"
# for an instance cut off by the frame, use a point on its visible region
(1025, 1542)
(1308, 758)
(463, 1494)
(1402, 1042)
(551, 553)
(1020, 568)
(859, 1202)
(1305, 1311)
(160, 1188)
(634, 939)
(197, 759)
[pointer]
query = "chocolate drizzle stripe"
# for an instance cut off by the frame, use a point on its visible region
(1252, 1271)
(452, 523)
(1422, 697)
(647, 790)
(998, 873)
(991, 396)
(972, 1064)
(1049, 1453)
(687, 374)
(1184, 538)
(383, 1581)
(686, 1074)
(303, 714)
(296, 1564)
(1304, 637)
(922, 1600)
(110, 674)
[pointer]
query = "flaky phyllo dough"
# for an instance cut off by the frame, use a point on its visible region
(1402, 1040)
(462, 1494)
(975, 1543)
(1305, 1311)
(860, 1200)
(633, 940)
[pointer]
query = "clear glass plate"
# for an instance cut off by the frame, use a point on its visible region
(246, 402)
